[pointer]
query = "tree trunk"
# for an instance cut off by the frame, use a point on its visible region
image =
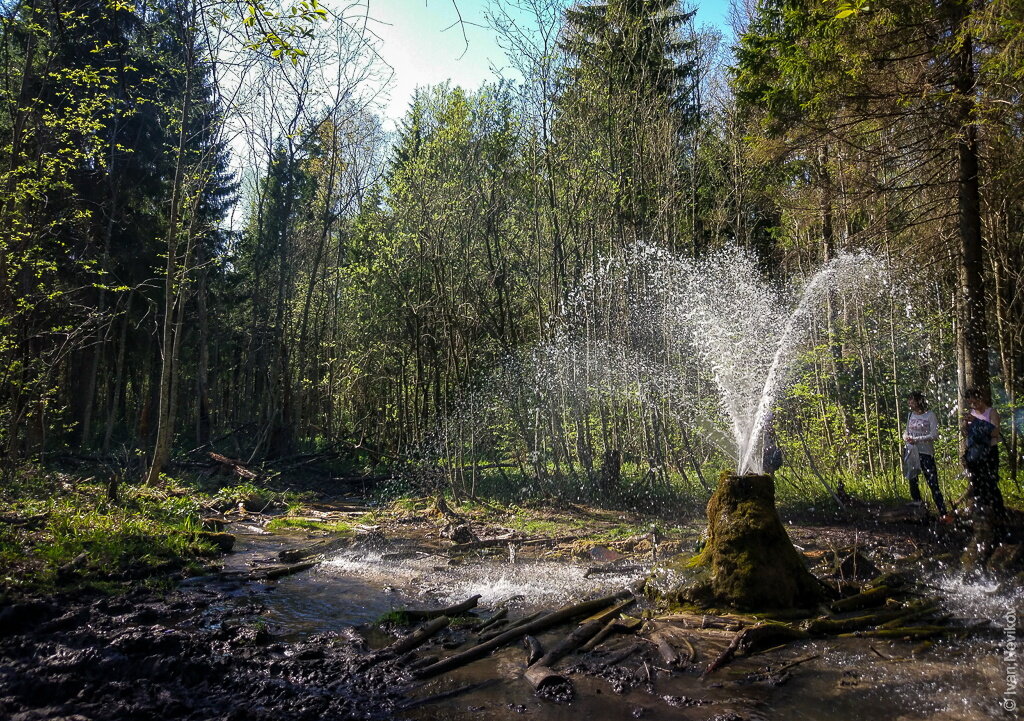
(173, 291)
(749, 562)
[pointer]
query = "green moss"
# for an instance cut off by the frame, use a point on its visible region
(397, 617)
(289, 523)
(748, 561)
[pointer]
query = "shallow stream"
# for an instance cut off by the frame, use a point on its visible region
(841, 679)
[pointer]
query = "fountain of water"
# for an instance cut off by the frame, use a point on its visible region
(728, 322)
(737, 329)
(706, 343)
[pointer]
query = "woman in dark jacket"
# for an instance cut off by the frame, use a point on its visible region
(981, 457)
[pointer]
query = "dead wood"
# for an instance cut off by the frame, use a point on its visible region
(505, 540)
(494, 620)
(493, 632)
(413, 640)
(763, 635)
(457, 610)
(542, 623)
(919, 632)
(700, 620)
(570, 643)
(666, 650)
(379, 478)
(611, 613)
(797, 662)
(484, 543)
(601, 635)
(543, 678)
(533, 650)
(623, 655)
(294, 555)
(597, 570)
(416, 703)
(272, 573)
(665, 638)
(232, 465)
(867, 599)
(882, 618)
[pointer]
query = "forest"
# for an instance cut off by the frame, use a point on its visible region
(367, 279)
(212, 246)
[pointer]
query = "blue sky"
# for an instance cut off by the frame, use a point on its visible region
(416, 43)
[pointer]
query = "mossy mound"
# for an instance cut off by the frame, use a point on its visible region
(749, 563)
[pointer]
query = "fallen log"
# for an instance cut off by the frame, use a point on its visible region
(458, 609)
(665, 637)
(601, 635)
(543, 679)
(483, 543)
(866, 599)
(611, 613)
(416, 703)
(413, 640)
(763, 635)
(493, 632)
(912, 612)
(830, 626)
(538, 625)
(533, 650)
(294, 555)
(231, 465)
(666, 650)
(695, 620)
(598, 570)
(570, 643)
(491, 542)
(363, 479)
(919, 632)
(494, 620)
(272, 573)
(623, 655)
(882, 618)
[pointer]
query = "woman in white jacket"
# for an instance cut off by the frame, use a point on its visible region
(922, 432)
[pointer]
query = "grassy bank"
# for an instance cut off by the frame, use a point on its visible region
(64, 531)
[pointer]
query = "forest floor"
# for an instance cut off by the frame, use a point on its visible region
(111, 618)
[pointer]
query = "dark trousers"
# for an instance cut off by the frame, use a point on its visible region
(931, 476)
(984, 482)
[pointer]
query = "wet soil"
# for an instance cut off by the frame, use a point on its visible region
(231, 646)
(184, 655)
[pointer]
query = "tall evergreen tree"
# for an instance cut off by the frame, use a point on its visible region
(625, 107)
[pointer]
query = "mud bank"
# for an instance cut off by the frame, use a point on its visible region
(179, 656)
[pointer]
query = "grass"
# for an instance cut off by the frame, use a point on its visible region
(255, 498)
(291, 523)
(60, 531)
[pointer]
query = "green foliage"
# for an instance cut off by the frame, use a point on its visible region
(61, 530)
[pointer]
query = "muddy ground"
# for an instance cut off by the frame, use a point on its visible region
(215, 648)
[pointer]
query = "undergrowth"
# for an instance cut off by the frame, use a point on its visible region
(60, 531)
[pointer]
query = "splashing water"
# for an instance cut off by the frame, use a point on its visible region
(707, 344)
(746, 334)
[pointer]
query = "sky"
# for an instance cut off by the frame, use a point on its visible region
(424, 44)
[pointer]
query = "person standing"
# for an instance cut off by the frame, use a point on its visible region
(921, 433)
(981, 457)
